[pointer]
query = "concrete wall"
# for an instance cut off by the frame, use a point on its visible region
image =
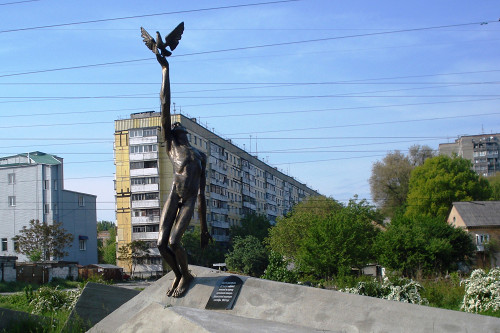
(66, 272)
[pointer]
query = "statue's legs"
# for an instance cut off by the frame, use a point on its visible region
(184, 216)
(167, 219)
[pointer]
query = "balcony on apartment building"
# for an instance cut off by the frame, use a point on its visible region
(151, 155)
(145, 188)
(142, 140)
(218, 196)
(144, 235)
(144, 172)
(220, 224)
(152, 203)
(145, 219)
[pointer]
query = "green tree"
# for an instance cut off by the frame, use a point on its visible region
(440, 181)
(248, 256)
(418, 154)
(286, 236)
(335, 243)
(107, 251)
(418, 245)
(389, 182)
(105, 225)
(43, 241)
(277, 269)
(390, 177)
(213, 253)
(132, 253)
(495, 186)
(252, 224)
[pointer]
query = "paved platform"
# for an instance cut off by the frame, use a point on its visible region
(268, 306)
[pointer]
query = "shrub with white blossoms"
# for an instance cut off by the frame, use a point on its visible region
(47, 299)
(482, 291)
(402, 290)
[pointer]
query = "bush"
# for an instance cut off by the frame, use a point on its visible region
(400, 289)
(277, 270)
(47, 299)
(482, 291)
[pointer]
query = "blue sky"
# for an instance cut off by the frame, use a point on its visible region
(367, 78)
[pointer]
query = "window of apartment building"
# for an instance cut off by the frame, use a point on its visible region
(81, 200)
(145, 196)
(82, 244)
(11, 178)
(144, 180)
(15, 245)
(12, 201)
(46, 184)
(4, 244)
(55, 184)
(144, 148)
(46, 208)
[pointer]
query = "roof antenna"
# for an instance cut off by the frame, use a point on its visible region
(174, 106)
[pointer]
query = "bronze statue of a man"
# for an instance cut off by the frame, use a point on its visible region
(188, 184)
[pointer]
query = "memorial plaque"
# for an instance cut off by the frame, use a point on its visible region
(225, 293)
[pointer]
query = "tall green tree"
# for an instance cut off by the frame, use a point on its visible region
(286, 236)
(422, 245)
(252, 224)
(248, 256)
(495, 186)
(133, 252)
(390, 177)
(105, 225)
(43, 241)
(440, 181)
(389, 182)
(106, 250)
(339, 241)
(213, 253)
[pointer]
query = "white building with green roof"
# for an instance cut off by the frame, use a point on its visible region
(32, 188)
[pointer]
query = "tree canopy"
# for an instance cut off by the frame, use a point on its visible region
(248, 256)
(422, 245)
(495, 186)
(105, 225)
(440, 181)
(41, 241)
(285, 237)
(213, 253)
(324, 237)
(106, 251)
(390, 177)
(252, 224)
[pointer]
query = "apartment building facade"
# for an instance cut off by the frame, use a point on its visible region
(482, 150)
(32, 188)
(237, 182)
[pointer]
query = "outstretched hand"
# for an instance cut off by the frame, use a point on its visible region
(205, 239)
(162, 60)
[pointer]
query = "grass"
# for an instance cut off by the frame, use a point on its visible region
(20, 286)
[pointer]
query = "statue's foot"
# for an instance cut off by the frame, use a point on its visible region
(183, 285)
(174, 285)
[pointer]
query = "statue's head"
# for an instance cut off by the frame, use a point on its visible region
(179, 131)
(178, 127)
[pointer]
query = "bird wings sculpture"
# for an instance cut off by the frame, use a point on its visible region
(159, 46)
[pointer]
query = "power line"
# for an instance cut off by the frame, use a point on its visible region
(146, 15)
(244, 47)
(16, 2)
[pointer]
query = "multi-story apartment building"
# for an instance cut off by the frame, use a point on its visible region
(32, 188)
(482, 150)
(237, 182)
